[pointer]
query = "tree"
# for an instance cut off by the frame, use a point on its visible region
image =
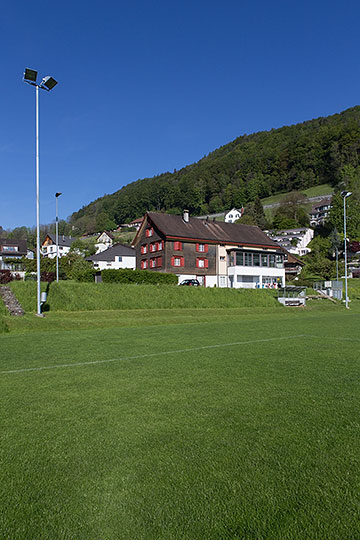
(292, 211)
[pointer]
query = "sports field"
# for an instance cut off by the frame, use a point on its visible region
(176, 424)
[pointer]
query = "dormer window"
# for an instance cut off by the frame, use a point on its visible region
(149, 232)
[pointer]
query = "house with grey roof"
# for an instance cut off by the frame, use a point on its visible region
(48, 247)
(11, 251)
(116, 257)
(215, 253)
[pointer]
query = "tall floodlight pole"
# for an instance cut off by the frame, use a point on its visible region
(345, 194)
(47, 83)
(57, 195)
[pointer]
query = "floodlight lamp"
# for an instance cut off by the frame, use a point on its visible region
(48, 83)
(30, 75)
(57, 195)
(346, 194)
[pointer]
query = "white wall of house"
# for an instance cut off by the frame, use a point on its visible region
(50, 251)
(119, 263)
(254, 277)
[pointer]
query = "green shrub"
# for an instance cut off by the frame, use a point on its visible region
(86, 275)
(138, 277)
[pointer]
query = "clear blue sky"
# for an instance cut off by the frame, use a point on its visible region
(149, 86)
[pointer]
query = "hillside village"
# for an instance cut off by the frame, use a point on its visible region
(226, 221)
(211, 251)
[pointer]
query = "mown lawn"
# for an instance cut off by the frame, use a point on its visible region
(207, 424)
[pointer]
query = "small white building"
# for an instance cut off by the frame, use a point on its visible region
(104, 241)
(233, 215)
(293, 240)
(116, 257)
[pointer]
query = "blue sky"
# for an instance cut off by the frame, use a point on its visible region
(151, 86)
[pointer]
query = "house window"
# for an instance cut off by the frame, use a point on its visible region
(149, 232)
(202, 263)
(144, 249)
(256, 259)
(10, 248)
(222, 281)
(222, 258)
(264, 260)
(247, 259)
(152, 247)
(279, 261)
(143, 264)
(119, 258)
(159, 245)
(202, 248)
(178, 246)
(239, 258)
(272, 261)
(44, 249)
(152, 263)
(177, 261)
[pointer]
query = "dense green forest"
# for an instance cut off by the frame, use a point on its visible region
(258, 165)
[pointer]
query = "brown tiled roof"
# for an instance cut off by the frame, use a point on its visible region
(173, 226)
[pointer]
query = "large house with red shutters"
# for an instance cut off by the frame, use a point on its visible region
(216, 253)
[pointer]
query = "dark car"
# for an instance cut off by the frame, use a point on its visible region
(190, 283)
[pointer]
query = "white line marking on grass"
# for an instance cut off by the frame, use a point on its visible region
(150, 355)
(333, 338)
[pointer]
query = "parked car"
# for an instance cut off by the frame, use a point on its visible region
(190, 282)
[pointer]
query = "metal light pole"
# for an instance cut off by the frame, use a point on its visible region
(57, 195)
(47, 83)
(345, 194)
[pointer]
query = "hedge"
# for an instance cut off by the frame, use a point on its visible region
(138, 277)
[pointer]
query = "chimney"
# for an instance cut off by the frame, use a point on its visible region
(186, 216)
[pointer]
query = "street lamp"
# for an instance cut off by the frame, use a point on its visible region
(47, 83)
(57, 195)
(345, 195)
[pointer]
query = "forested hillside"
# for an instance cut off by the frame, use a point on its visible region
(258, 165)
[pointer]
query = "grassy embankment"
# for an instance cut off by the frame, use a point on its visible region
(72, 296)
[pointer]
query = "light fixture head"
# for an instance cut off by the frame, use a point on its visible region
(346, 194)
(57, 195)
(30, 75)
(48, 83)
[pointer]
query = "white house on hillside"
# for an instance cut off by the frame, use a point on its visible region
(48, 247)
(104, 241)
(116, 257)
(233, 215)
(293, 240)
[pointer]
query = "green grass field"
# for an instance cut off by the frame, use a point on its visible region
(181, 424)
(316, 191)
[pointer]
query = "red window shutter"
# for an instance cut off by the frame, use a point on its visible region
(197, 263)
(159, 261)
(182, 261)
(172, 261)
(206, 248)
(197, 247)
(206, 263)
